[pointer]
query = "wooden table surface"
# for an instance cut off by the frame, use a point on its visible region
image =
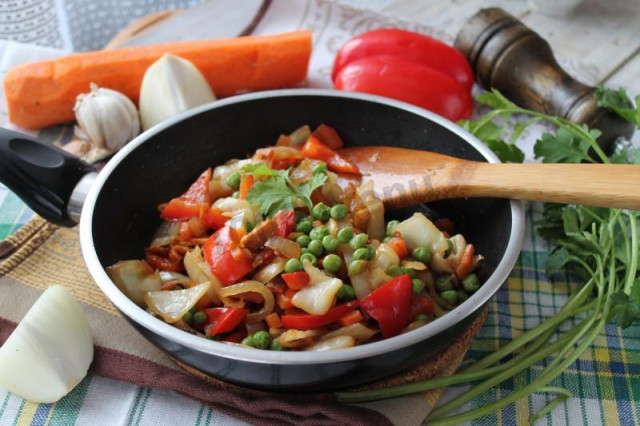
(598, 42)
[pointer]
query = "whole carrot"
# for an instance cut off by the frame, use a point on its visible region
(43, 93)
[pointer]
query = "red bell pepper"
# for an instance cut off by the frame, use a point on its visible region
(409, 82)
(223, 320)
(328, 136)
(286, 221)
(296, 280)
(409, 46)
(164, 263)
(225, 258)
(309, 322)
(236, 337)
(315, 149)
(214, 219)
(420, 305)
(190, 203)
(389, 305)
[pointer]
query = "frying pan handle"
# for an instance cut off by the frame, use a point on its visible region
(42, 175)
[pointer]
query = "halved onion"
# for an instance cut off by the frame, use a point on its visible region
(134, 278)
(284, 247)
(271, 270)
(335, 342)
(172, 305)
(256, 287)
(50, 350)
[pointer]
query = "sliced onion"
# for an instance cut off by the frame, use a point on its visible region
(284, 247)
(358, 331)
(375, 225)
(336, 342)
(300, 135)
(386, 257)
(252, 286)
(448, 264)
(361, 284)
(199, 272)
(270, 271)
(419, 231)
(415, 324)
(134, 278)
(414, 264)
(165, 233)
(174, 277)
(298, 338)
(172, 305)
(234, 208)
(50, 350)
(377, 277)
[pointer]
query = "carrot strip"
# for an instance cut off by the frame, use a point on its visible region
(351, 318)
(246, 183)
(273, 320)
(43, 93)
(466, 262)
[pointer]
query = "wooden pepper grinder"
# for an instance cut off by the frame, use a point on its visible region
(508, 56)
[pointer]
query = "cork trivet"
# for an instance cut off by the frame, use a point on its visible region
(443, 363)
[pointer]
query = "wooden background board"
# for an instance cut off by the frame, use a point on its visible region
(599, 42)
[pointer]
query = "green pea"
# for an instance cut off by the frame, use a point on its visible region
(303, 240)
(331, 263)
(395, 271)
(449, 249)
(339, 211)
(443, 283)
(319, 232)
(450, 296)
(422, 254)
(304, 226)
(363, 253)
(321, 212)
(387, 238)
(188, 318)
(355, 267)
(391, 226)
(319, 168)
(417, 285)
(315, 247)
(248, 341)
(236, 194)
(249, 226)
(411, 272)
(293, 265)
(262, 339)
(193, 310)
(330, 243)
(471, 283)
(345, 235)
(309, 257)
(359, 241)
(233, 180)
(462, 296)
(421, 317)
(299, 215)
(199, 318)
(346, 292)
(303, 250)
(276, 346)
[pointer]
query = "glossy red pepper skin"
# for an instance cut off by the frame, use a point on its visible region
(223, 320)
(286, 221)
(389, 304)
(409, 46)
(316, 150)
(309, 322)
(296, 280)
(409, 82)
(192, 202)
(224, 257)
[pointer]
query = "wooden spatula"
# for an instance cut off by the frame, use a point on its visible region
(405, 177)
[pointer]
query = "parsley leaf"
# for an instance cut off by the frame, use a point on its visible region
(618, 102)
(506, 152)
(626, 309)
(306, 189)
(563, 147)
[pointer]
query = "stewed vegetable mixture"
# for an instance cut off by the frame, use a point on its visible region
(286, 250)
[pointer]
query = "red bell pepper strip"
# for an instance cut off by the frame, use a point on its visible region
(236, 337)
(164, 263)
(296, 280)
(224, 257)
(223, 320)
(409, 82)
(409, 46)
(214, 219)
(286, 221)
(328, 136)
(315, 149)
(389, 305)
(309, 322)
(190, 203)
(420, 305)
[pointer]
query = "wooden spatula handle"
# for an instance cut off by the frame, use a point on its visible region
(604, 185)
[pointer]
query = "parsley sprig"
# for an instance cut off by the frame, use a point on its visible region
(278, 192)
(597, 244)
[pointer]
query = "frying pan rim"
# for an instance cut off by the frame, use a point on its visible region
(240, 353)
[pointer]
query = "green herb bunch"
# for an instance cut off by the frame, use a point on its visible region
(599, 245)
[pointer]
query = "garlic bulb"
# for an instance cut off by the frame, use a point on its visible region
(108, 119)
(170, 86)
(49, 352)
